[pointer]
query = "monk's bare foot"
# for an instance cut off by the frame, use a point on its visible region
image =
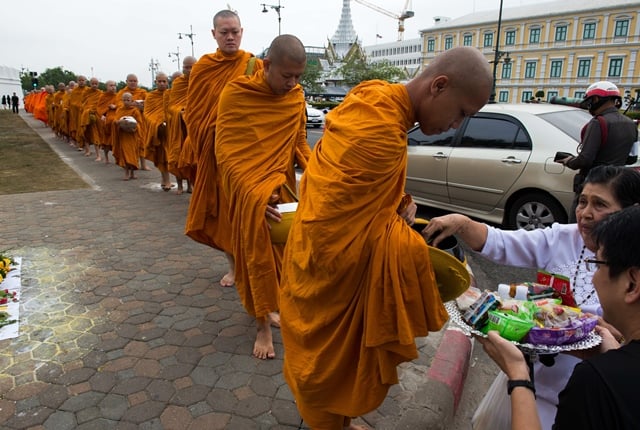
(133, 177)
(274, 319)
(263, 348)
(126, 178)
(98, 159)
(145, 168)
(179, 191)
(228, 280)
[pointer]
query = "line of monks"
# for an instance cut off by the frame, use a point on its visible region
(84, 116)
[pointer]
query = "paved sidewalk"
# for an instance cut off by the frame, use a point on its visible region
(125, 326)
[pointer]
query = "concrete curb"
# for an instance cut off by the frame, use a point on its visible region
(435, 402)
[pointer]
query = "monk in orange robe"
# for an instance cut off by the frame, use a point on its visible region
(176, 128)
(155, 138)
(358, 284)
(207, 217)
(76, 98)
(255, 160)
(65, 111)
(139, 95)
(89, 118)
(126, 142)
(57, 106)
(38, 105)
(49, 103)
(106, 110)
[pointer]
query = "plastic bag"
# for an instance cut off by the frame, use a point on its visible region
(494, 410)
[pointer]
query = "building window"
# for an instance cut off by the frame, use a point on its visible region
(534, 35)
(431, 45)
(506, 71)
(467, 40)
(579, 94)
(561, 33)
(622, 28)
(584, 68)
(448, 42)
(589, 31)
(551, 94)
(556, 69)
(615, 67)
(510, 37)
(503, 96)
(527, 96)
(488, 40)
(530, 69)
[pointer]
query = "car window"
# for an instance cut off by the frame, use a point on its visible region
(570, 122)
(418, 138)
(482, 132)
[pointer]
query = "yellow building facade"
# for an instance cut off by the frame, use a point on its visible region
(558, 48)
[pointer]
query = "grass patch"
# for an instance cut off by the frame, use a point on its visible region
(27, 163)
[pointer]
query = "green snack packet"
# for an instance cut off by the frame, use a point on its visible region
(509, 326)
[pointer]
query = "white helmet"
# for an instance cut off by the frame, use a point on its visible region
(602, 89)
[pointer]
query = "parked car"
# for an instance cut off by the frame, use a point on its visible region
(498, 165)
(315, 117)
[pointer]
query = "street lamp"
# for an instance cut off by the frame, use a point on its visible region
(277, 9)
(177, 55)
(154, 66)
(497, 56)
(190, 35)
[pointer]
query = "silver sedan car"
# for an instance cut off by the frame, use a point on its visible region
(498, 165)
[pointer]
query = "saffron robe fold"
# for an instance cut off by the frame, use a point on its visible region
(76, 98)
(357, 284)
(126, 144)
(254, 162)
(155, 137)
(207, 220)
(176, 128)
(89, 126)
(106, 109)
(208, 77)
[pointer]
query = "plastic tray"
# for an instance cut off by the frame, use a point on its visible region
(591, 340)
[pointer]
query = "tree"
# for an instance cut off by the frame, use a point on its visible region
(55, 76)
(357, 70)
(311, 77)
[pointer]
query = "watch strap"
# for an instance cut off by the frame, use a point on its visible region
(513, 383)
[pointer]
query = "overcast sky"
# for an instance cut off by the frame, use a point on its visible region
(113, 38)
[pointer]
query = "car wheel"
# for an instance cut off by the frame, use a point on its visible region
(531, 211)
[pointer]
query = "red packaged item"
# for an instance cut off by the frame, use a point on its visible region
(561, 285)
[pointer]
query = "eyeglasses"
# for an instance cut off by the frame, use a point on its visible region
(592, 265)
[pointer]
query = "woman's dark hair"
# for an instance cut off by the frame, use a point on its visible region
(624, 181)
(617, 236)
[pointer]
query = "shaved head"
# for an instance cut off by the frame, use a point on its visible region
(287, 47)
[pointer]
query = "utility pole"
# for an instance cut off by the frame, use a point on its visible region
(190, 35)
(153, 66)
(177, 55)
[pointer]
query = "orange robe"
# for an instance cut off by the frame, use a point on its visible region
(254, 161)
(209, 75)
(76, 98)
(357, 285)
(49, 103)
(39, 106)
(56, 110)
(126, 143)
(65, 113)
(106, 109)
(138, 94)
(207, 220)
(176, 129)
(155, 137)
(89, 116)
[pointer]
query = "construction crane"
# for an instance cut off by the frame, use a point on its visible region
(405, 14)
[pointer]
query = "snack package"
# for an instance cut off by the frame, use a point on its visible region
(560, 284)
(509, 326)
(477, 314)
(468, 298)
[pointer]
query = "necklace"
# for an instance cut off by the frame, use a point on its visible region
(575, 278)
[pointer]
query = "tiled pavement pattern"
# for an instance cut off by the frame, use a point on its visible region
(124, 324)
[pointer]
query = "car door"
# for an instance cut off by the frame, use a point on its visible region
(428, 157)
(488, 159)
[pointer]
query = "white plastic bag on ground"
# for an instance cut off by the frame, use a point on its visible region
(494, 411)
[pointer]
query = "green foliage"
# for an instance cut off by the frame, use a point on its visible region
(310, 77)
(357, 70)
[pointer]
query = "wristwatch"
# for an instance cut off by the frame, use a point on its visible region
(513, 383)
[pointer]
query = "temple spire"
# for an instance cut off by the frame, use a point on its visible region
(345, 36)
